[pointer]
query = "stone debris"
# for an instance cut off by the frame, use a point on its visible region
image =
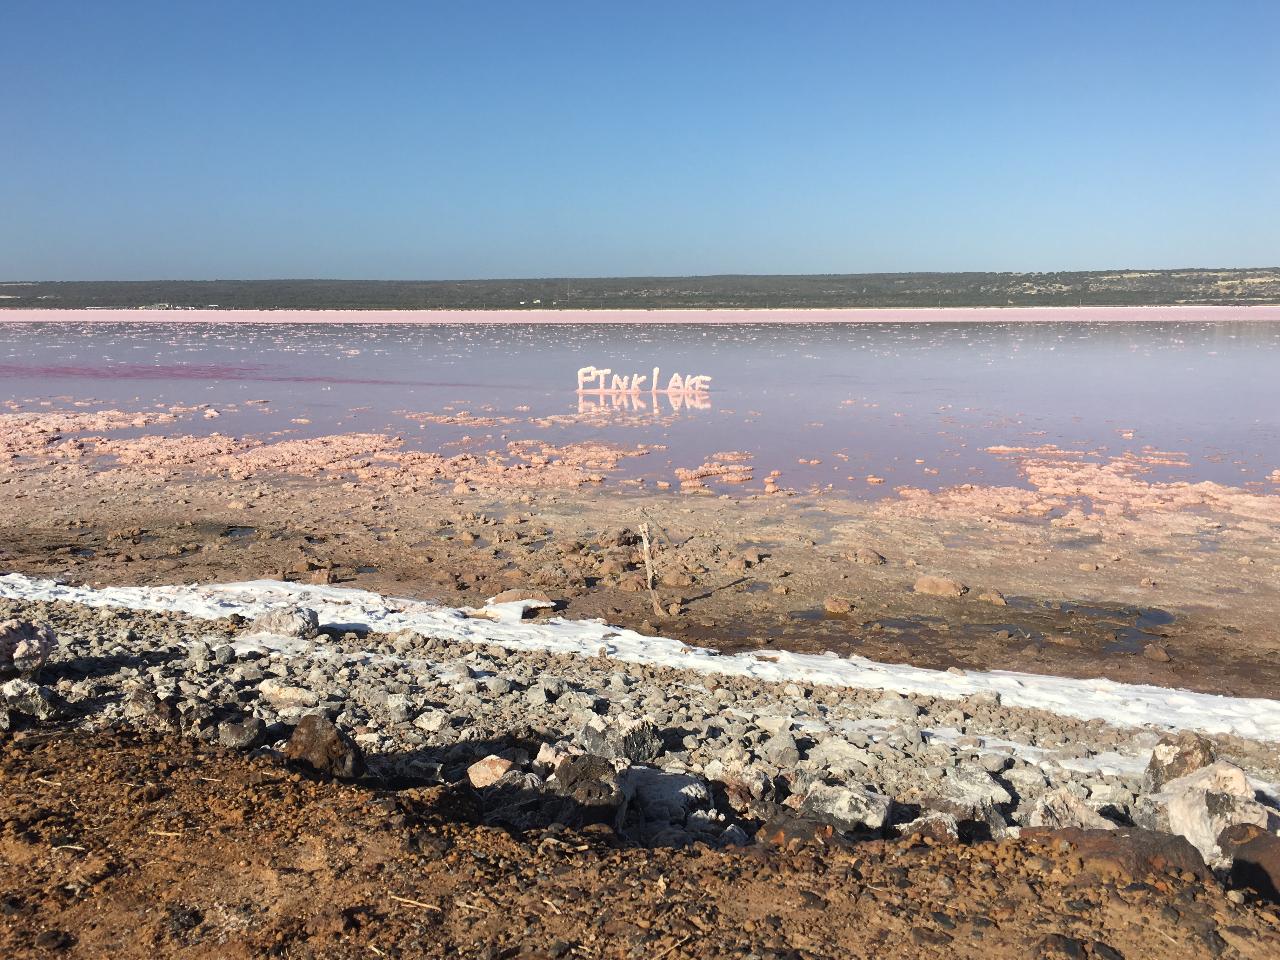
(660, 756)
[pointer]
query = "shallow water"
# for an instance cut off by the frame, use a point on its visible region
(912, 403)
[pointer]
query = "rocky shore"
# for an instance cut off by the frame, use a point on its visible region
(658, 757)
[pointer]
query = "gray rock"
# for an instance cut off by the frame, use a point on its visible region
(781, 750)
(967, 793)
(24, 646)
(894, 705)
(1061, 808)
(933, 825)
(846, 808)
(282, 694)
(636, 740)
(244, 735)
(22, 696)
(400, 708)
(838, 755)
(299, 622)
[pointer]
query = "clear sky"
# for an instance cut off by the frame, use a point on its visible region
(463, 139)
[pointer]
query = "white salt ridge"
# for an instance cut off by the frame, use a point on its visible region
(1122, 704)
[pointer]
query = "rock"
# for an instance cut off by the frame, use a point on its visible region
(837, 605)
(24, 646)
(22, 696)
(1177, 755)
(512, 596)
(1255, 858)
(320, 745)
(895, 705)
(994, 597)
(282, 694)
(781, 750)
(837, 755)
(1127, 852)
(1061, 808)
(967, 793)
(867, 556)
(935, 826)
(782, 828)
(550, 756)
(847, 808)
(244, 735)
(143, 706)
(299, 622)
(486, 772)
(592, 784)
(655, 798)
(400, 708)
(1201, 805)
(1156, 652)
(940, 587)
(636, 740)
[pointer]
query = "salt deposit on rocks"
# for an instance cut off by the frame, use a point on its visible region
(661, 754)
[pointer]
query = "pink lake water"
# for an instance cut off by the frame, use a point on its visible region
(915, 401)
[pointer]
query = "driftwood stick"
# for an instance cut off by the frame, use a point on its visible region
(648, 568)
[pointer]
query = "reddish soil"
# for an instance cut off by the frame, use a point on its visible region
(118, 845)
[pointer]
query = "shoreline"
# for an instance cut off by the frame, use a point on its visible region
(1264, 313)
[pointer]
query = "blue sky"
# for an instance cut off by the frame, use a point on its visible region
(507, 139)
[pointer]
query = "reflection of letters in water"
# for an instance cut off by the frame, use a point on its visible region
(628, 391)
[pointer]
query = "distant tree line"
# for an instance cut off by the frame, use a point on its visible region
(1113, 287)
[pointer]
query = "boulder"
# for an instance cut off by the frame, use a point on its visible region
(1127, 852)
(940, 587)
(837, 755)
(846, 808)
(967, 793)
(487, 772)
(400, 708)
(837, 605)
(592, 784)
(866, 556)
(1177, 755)
(657, 799)
(144, 707)
(781, 750)
(22, 696)
(1062, 808)
(301, 623)
(281, 694)
(1255, 858)
(244, 735)
(1201, 805)
(318, 744)
(636, 740)
(24, 646)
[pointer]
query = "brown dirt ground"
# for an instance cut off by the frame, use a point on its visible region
(116, 844)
